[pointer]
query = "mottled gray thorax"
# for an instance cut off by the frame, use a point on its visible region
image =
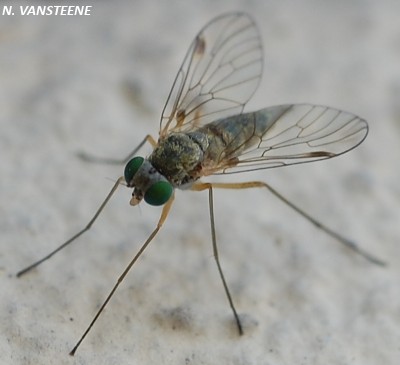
(179, 157)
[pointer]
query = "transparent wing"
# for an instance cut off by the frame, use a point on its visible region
(292, 134)
(219, 74)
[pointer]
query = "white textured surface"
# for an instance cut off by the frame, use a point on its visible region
(304, 299)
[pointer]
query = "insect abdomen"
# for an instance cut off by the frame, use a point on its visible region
(232, 135)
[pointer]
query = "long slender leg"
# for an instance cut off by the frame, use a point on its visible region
(113, 161)
(162, 219)
(260, 184)
(345, 241)
(74, 237)
(209, 187)
(90, 158)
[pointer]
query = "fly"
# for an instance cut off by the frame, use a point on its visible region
(203, 132)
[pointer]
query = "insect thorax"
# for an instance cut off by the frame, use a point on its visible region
(179, 157)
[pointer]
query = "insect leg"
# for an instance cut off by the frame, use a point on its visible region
(163, 217)
(345, 241)
(74, 237)
(209, 187)
(114, 161)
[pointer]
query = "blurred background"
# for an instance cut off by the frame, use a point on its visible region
(98, 84)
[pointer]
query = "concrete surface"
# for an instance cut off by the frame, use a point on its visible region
(303, 298)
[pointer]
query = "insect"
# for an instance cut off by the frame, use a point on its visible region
(203, 131)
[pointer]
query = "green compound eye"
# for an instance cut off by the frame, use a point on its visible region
(158, 193)
(132, 168)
